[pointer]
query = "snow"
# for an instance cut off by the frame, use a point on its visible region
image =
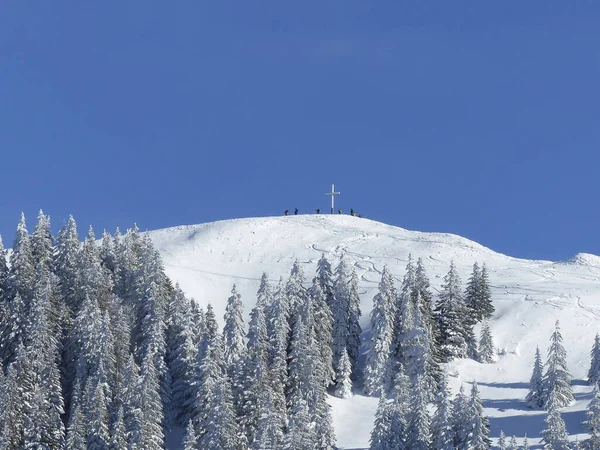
(528, 295)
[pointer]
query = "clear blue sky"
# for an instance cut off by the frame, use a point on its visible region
(472, 117)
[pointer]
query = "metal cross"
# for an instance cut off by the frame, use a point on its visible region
(333, 194)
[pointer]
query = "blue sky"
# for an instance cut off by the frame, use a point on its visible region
(467, 117)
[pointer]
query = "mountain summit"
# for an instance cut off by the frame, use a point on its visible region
(529, 296)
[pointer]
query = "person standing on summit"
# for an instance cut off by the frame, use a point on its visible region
(296, 212)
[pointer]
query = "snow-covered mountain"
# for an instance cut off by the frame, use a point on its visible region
(529, 297)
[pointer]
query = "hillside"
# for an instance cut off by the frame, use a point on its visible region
(529, 297)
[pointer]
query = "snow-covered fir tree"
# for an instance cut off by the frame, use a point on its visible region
(381, 428)
(321, 315)
(442, 435)
(535, 396)
(118, 435)
(340, 311)
(233, 332)
(180, 355)
(402, 315)
(354, 328)
(594, 371)
(477, 426)
(419, 422)
(592, 422)
(270, 435)
(42, 245)
(513, 445)
(502, 441)
(21, 274)
(300, 434)
(220, 429)
(555, 436)
(486, 352)
(382, 333)
(190, 442)
(344, 383)
(460, 419)
(485, 307)
(256, 375)
(478, 297)
(450, 314)
(325, 277)
(557, 380)
(419, 361)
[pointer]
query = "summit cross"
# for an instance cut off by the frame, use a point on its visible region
(333, 194)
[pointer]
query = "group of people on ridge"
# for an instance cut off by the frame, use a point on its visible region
(352, 212)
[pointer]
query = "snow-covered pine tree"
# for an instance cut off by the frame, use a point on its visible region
(402, 314)
(21, 274)
(108, 257)
(128, 249)
(472, 291)
(340, 311)
(397, 434)
(298, 360)
(132, 414)
(300, 433)
(325, 277)
(417, 354)
(442, 436)
(502, 441)
(477, 426)
(180, 355)
(233, 332)
(592, 422)
(93, 280)
(535, 397)
(321, 315)
(3, 274)
(270, 434)
(525, 444)
(555, 435)
(150, 326)
(76, 429)
(513, 445)
(96, 415)
(354, 328)
(594, 372)
(295, 289)
(45, 411)
(382, 332)
(66, 263)
(450, 313)
(150, 406)
(485, 306)
(220, 429)
(189, 440)
(256, 374)
(118, 435)
(460, 419)
(419, 422)
(487, 351)
(234, 348)
(557, 380)
(381, 427)
(423, 288)
(344, 383)
(278, 333)
(42, 244)
(210, 372)
(424, 298)
(14, 328)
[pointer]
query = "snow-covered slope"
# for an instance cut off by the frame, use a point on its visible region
(529, 297)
